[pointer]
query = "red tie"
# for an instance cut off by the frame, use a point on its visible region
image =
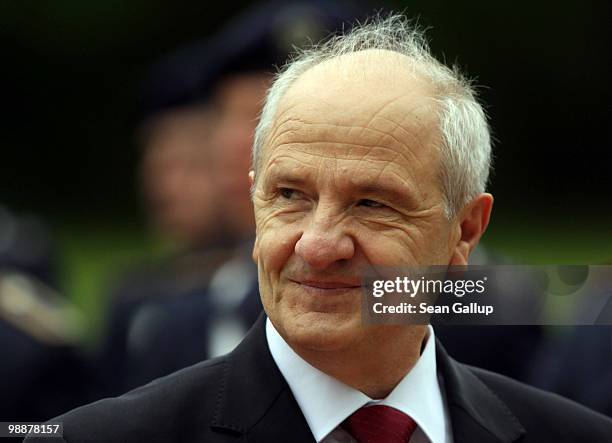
(380, 424)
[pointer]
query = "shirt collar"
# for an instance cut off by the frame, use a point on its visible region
(327, 402)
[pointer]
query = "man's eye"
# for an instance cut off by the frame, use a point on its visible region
(370, 203)
(288, 193)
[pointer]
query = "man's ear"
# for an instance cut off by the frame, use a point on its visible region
(255, 254)
(473, 221)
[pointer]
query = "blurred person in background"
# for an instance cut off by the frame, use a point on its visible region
(199, 110)
(42, 371)
(178, 177)
(26, 244)
(179, 184)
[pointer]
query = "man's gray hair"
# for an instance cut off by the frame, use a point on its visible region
(465, 140)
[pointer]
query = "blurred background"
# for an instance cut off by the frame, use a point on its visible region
(88, 184)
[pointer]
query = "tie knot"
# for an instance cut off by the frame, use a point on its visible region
(380, 424)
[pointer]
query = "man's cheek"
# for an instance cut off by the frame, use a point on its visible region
(275, 246)
(400, 249)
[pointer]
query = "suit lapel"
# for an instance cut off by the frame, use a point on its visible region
(254, 402)
(284, 411)
(476, 413)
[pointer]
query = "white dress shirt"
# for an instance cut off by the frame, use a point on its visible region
(327, 402)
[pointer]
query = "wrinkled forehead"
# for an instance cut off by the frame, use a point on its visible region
(368, 98)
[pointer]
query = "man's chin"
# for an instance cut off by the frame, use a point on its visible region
(322, 331)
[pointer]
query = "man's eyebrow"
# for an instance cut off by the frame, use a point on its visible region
(286, 178)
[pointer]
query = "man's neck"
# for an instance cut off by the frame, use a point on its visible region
(374, 368)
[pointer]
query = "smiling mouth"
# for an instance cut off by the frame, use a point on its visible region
(326, 286)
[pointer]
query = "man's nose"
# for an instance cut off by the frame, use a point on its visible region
(324, 242)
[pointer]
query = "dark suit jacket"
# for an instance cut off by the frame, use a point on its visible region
(242, 397)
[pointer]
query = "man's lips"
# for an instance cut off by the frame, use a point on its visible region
(325, 284)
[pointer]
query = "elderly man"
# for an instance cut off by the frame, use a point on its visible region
(369, 153)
